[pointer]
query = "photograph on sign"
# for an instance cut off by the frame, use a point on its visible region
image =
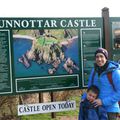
(45, 52)
(116, 34)
(115, 38)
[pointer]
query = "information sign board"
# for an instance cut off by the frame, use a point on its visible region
(47, 54)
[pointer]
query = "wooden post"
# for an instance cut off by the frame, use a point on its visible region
(20, 100)
(20, 103)
(106, 29)
(40, 97)
(53, 115)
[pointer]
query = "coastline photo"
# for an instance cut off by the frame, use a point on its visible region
(45, 52)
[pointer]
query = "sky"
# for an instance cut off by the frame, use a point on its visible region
(58, 8)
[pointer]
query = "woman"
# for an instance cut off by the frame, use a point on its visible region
(108, 96)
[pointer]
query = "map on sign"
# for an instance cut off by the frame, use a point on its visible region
(45, 52)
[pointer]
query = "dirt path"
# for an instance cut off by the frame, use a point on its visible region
(68, 118)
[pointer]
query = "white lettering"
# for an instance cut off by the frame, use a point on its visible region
(70, 24)
(76, 23)
(87, 23)
(40, 23)
(46, 24)
(25, 23)
(93, 23)
(63, 23)
(53, 23)
(32, 23)
(8, 23)
(17, 23)
(2, 23)
(81, 23)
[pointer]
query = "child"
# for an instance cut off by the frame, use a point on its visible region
(87, 110)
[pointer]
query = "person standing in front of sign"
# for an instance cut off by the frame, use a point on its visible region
(108, 96)
(87, 110)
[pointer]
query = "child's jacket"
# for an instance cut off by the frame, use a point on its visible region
(89, 112)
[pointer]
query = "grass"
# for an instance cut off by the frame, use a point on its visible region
(43, 41)
(37, 117)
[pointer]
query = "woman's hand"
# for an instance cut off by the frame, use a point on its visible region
(97, 102)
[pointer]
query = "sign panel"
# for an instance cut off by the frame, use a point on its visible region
(115, 38)
(91, 39)
(5, 62)
(46, 54)
(46, 107)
